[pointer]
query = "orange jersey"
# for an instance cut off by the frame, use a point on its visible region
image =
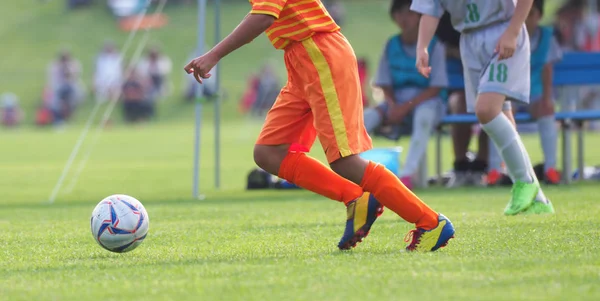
(295, 20)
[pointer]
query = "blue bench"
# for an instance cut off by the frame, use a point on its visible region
(576, 69)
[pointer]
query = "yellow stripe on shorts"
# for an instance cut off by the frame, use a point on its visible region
(331, 98)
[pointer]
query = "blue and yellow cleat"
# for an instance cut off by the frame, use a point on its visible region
(362, 213)
(430, 240)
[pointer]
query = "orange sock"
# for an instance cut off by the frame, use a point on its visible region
(310, 174)
(391, 193)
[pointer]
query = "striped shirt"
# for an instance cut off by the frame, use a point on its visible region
(295, 20)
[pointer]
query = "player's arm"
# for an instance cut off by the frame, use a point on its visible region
(249, 29)
(438, 80)
(431, 12)
(427, 28)
(518, 19)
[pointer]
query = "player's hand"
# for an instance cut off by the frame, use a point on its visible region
(506, 45)
(397, 113)
(201, 65)
(423, 62)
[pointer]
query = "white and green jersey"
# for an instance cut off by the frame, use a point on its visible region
(468, 15)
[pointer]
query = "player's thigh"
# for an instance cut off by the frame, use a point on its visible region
(289, 121)
(509, 77)
(332, 88)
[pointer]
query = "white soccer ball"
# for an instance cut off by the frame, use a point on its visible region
(119, 223)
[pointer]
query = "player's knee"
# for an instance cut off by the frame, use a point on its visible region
(488, 106)
(269, 157)
(351, 167)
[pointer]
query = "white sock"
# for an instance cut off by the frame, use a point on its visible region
(548, 138)
(494, 160)
(501, 131)
(423, 122)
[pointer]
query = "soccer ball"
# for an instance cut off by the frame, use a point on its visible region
(119, 223)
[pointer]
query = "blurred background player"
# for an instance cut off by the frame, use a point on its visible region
(544, 52)
(330, 108)
(409, 97)
(466, 171)
(496, 57)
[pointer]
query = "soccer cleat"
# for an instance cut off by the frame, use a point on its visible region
(540, 208)
(523, 196)
(430, 240)
(552, 176)
(362, 213)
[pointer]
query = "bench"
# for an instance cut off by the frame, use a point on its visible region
(575, 69)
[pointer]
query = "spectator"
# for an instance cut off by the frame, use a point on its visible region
(410, 98)
(158, 67)
(109, 73)
(11, 114)
(267, 90)
(577, 31)
(65, 87)
(136, 90)
(466, 171)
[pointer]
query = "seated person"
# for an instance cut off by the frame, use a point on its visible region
(465, 171)
(136, 90)
(409, 97)
(545, 50)
(11, 114)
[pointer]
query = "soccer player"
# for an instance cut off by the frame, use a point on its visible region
(494, 48)
(408, 93)
(544, 52)
(322, 98)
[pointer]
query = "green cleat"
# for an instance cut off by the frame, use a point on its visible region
(540, 208)
(523, 195)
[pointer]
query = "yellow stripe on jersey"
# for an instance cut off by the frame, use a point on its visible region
(277, 6)
(291, 15)
(294, 24)
(293, 33)
(331, 98)
(263, 12)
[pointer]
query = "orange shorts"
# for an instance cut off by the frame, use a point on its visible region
(322, 98)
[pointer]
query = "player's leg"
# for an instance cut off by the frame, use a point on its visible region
(287, 134)
(335, 102)
(501, 80)
(426, 117)
(544, 116)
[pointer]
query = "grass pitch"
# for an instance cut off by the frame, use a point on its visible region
(236, 245)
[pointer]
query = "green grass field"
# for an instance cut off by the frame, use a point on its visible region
(237, 245)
